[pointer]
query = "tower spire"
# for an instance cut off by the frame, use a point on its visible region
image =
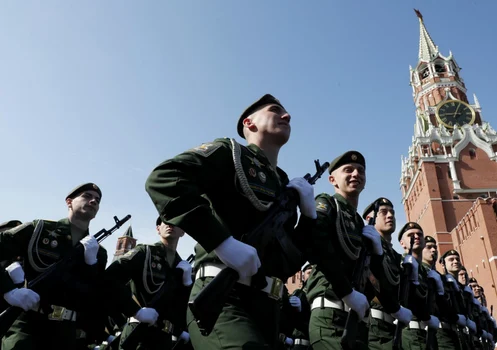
(427, 48)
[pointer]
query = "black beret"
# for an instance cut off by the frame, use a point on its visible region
(430, 239)
(408, 226)
(158, 221)
(90, 186)
(447, 253)
(264, 100)
(370, 208)
(347, 158)
(472, 280)
(9, 224)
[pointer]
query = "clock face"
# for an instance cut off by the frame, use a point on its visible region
(454, 112)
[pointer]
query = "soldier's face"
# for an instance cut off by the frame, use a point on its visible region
(419, 240)
(453, 264)
(169, 231)
(430, 253)
(306, 274)
(348, 179)
(462, 277)
(271, 120)
(476, 289)
(385, 219)
(85, 206)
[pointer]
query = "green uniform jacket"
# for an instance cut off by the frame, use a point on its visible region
(442, 305)
(200, 191)
(418, 295)
(41, 243)
(147, 270)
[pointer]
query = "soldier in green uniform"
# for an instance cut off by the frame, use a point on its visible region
(221, 190)
(414, 334)
(156, 274)
(451, 263)
(301, 332)
(446, 336)
(382, 327)
(337, 241)
(50, 321)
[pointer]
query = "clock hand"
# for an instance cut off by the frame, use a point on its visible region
(455, 114)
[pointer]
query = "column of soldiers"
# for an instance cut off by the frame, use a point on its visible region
(358, 292)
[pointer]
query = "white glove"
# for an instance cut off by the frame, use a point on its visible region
(438, 281)
(490, 337)
(471, 325)
(433, 322)
(374, 236)
(485, 310)
(288, 341)
(16, 272)
(24, 298)
(357, 302)
(295, 302)
(403, 315)
(110, 339)
(409, 259)
(147, 315)
(187, 272)
(305, 190)
(453, 281)
(239, 256)
(461, 321)
(484, 334)
(91, 248)
(493, 321)
(185, 336)
(468, 289)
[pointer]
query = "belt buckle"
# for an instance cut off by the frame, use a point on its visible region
(168, 326)
(58, 312)
(275, 291)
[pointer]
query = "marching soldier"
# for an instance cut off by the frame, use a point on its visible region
(382, 327)
(446, 336)
(185, 194)
(415, 334)
(451, 264)
(337, 241)
(301, 332)
(160, 283)
(40, 243)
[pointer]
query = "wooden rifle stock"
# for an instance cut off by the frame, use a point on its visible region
(208, 304)
(404, 299)
(349, 335)
(42, 281)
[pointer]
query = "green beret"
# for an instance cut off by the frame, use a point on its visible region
(84, 187)
(430, 239)
(307, 267)
(347, 158)
(370, 208)
(158, 221)
(447, 253)
(408, 226)
(264, 100)
(472, 280)
(9, 224)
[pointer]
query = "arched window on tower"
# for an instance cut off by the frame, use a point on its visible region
(424, 72)
(439, 67)
(472, 153)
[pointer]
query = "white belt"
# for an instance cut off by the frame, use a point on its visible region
(445, 325)
(301, 342)
(60, 313)
(168, 326)
(334, 304)
(274, 286)
(380, 315)
(415, 325)
(133, 320)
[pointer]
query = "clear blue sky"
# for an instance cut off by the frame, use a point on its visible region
(104, 91)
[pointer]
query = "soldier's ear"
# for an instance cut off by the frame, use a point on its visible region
(68, 202)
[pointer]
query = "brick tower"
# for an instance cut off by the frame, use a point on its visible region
(449, 176)
(125, 243)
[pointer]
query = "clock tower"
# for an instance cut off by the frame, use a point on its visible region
(449, 176)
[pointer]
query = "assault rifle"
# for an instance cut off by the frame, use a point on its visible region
(209, 303)
(44, 281)
(404, 299)
(431, 334)
(351, 325)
